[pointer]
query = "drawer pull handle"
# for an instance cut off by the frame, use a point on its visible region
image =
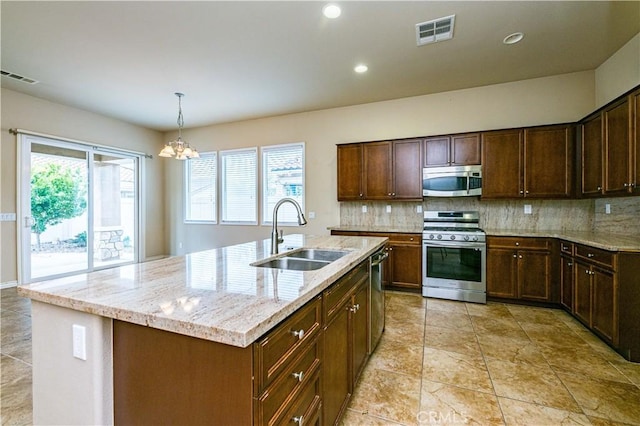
(299, 376)
(298, 333)
(569, 263)
(355, 308)
(590, 255)
(298, 420)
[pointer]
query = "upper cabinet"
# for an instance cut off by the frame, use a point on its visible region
(388, 170)
(455, 150)
(591, 156)
(617, 138)
(634, 99)
(533, 162)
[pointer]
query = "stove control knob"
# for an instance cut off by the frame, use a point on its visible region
(466, 238)
(453, 237)
(431, 236)
(439, 236)
(475, 238)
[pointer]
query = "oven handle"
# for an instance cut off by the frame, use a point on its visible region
(432, 243)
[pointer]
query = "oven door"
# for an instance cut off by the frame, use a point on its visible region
(454, 265)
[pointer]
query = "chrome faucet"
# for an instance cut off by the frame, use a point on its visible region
(275, 238)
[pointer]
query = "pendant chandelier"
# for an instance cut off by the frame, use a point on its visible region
(178, 148)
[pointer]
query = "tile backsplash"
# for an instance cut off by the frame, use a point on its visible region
(569, 215)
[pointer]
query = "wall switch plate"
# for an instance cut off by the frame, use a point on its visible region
(364, 209)
(7, 217)
(419, 208)
(80, 342)
(312, 215)
(527, 209)
(607, 208)
(388, 208)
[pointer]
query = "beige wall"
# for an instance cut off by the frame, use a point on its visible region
(34, 114)
(557, 99)
(619, 73)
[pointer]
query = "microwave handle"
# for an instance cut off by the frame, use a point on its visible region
(468, 183)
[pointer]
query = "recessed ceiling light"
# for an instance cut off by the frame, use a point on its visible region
(331, 11)
(361, 68)
(513, 38)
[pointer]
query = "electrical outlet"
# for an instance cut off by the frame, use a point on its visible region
(80, 342)
(179, 245)
(527, 209)
(607, 208)
(419, 208)
(364, 209)
(388, 208)
(312, 215)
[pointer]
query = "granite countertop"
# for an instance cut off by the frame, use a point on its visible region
(214, 295)
(602, 240)
(389, 229)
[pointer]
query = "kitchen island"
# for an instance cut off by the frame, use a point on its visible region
(207, 316)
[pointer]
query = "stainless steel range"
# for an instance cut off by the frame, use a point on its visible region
(454, 256)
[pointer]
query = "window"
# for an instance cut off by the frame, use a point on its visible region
(200, 178)
(282, 176)
(239, 186)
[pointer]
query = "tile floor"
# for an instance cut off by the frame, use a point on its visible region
(439, 362)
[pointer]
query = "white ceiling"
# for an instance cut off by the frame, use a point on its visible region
(241, 60)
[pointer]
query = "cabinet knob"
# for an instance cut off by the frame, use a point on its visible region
(298, 420)
(393, 193)
(411, 239)
(299, 376)
(517, 244)
(515, 255)
(599, 188)
(586, 272)
(569, 263)
(526, 192)
(389, 194)
(590, 255)
(520, 257)
(521, 192)
(298, 333)
(361, 195)
(626, 185)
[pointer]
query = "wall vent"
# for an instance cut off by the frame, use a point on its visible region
(18, 77)
(436, 30)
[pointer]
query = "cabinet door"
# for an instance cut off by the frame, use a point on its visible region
(350, 172)
(465, 149)
(635, 142)
(605, 306)
(534, 277)
(582, 301)
(335, 366)
(436, 151)
(407, 170)
(566, 282)
(377, 170)
(616, 151)
(502, 164)
(548, 162)
(501, 273)
(405, 264)
(591, 157)
(360, 330)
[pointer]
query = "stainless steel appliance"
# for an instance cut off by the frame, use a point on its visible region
(454, 256)
(376, 301)
(452, 181)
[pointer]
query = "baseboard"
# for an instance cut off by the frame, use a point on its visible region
(8, 284)
(158, 257)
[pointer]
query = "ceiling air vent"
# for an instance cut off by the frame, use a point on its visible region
(18, 77)
(436, 30)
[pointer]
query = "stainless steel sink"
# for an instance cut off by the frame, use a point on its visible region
(318, 254)
(292, 263)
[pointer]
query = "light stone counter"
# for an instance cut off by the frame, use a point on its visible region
(214, 295)
(388, 229)
(601, 240)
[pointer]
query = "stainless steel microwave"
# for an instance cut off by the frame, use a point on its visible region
(452, 181)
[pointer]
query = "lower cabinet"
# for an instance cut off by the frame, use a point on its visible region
(566, 275)
(519, 268)
(403, 269)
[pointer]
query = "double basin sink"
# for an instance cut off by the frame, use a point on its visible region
(302, 259)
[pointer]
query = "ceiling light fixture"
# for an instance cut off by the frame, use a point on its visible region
(331, 11)
(513, 38)
(179, 148)
(362, 68)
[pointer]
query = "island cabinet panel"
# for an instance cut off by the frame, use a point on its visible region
(168, 378)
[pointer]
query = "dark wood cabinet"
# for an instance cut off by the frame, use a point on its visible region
(634, 100)
(617, 139)
(350, 166)
(388, 170)
(591, 156)
(566, 269)
(535, 162)
(453, 150)
(519, 268)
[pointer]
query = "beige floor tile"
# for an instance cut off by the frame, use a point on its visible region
(404, 314)
(528, 314)
(631, 370)
(619, 402)
(511, 349)
(556, 335)
(524, 413)
(581, 360)
(466, 371)
(387, 395)
(533, 383)
(499, 326)
(446, 404)
(453, 340)
(356, 418)
(598, 421)
(446, 305)
(15, 398)
(491, 309)
(412, 300)
(10, 300)
(447, 319)
(397, 356)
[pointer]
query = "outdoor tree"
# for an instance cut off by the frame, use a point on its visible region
(56, 194)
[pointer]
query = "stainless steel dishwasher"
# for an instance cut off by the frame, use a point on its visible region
(376, 298)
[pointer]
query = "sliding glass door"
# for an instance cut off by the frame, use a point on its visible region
(78, 208)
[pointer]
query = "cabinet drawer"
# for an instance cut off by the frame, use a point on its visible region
(601, 257)
(518, 243)
(289, 384)
(305, 408)
(284, 342)
(335, 295)
(405, 238)
(566, 247)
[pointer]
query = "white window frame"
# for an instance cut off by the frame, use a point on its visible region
(187, 192)
(267, 213)
(223, 178)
